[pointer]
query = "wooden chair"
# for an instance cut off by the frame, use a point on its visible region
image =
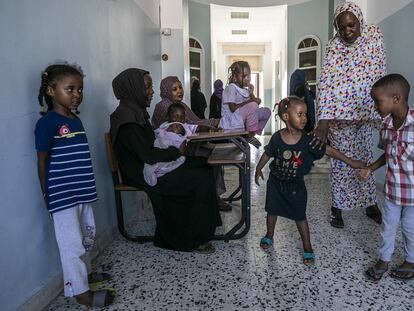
(119, 187)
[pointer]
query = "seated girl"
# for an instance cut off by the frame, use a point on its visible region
(240, 108)
(184, 200)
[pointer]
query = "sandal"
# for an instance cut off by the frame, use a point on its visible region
(254, 141)
(103, 298)
(336, 218)
(309, 259)
(266, 242)
(223, 206)
(399, 269)
(375, 274)
(206, 249)
(95, 278)
(374, 213)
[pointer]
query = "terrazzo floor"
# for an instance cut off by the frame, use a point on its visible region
(241, 276)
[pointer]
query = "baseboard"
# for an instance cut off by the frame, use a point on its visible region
(54, 286)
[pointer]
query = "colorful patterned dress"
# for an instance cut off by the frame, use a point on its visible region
(348, 73)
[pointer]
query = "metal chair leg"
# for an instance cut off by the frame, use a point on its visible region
(121, 222)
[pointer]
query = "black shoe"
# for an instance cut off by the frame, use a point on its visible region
(374, 213)
(336, 218)
(223, 206)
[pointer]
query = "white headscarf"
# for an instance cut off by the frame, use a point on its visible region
(350, 70)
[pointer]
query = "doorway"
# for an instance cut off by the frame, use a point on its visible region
(259, 36)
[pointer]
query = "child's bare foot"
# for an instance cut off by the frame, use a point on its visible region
(404, 272)
(99, 298)
(376, 272)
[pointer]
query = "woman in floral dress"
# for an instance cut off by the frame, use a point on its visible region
(354, 60)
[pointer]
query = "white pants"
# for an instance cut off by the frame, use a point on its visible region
(75, 235)
(391, 216)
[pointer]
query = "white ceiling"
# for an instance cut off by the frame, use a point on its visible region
(262, 25)
(250, 3)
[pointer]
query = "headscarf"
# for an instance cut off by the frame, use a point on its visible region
(195, 86)
(349, 71)
(299, 77)
(129, 89)
(218, 88)
(160, 112)
(166, 87)
(352, 8)
(193, 78)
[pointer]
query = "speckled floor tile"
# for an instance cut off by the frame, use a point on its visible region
(241, 276)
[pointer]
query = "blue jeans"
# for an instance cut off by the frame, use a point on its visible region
(392, 215)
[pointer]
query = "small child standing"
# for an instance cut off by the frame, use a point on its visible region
(286, 194)
(173, 133)
(390, 95)
(67, 181)
(240, 110)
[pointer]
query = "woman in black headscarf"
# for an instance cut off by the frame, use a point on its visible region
(298, 87)
(184, 200)
(215, 100)
(198, 101)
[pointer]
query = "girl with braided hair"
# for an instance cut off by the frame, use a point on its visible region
(67, 181)
(292, 155)
(240, 108)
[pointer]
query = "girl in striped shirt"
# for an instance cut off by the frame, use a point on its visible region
(67, 181)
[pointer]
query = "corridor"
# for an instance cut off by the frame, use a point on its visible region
(241, 276)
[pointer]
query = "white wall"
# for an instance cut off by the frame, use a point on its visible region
(174, 15)
(104, 37)
(250, 3)
(379, 10)
(363, 4)
(376, 11)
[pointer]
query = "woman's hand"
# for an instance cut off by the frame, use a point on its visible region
(357, 164)
(364, 173)
(183, 147)
(320, 134)
(257, 175)
(216, 122)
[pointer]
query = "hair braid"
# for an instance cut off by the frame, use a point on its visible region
(285, 103)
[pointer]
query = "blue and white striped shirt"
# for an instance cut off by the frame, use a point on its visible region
(69, 174)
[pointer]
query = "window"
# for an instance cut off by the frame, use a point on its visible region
(308, 58)
(197, 61)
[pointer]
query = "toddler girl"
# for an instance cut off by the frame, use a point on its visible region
(286, 194)
(67, 181)
(240, 110)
